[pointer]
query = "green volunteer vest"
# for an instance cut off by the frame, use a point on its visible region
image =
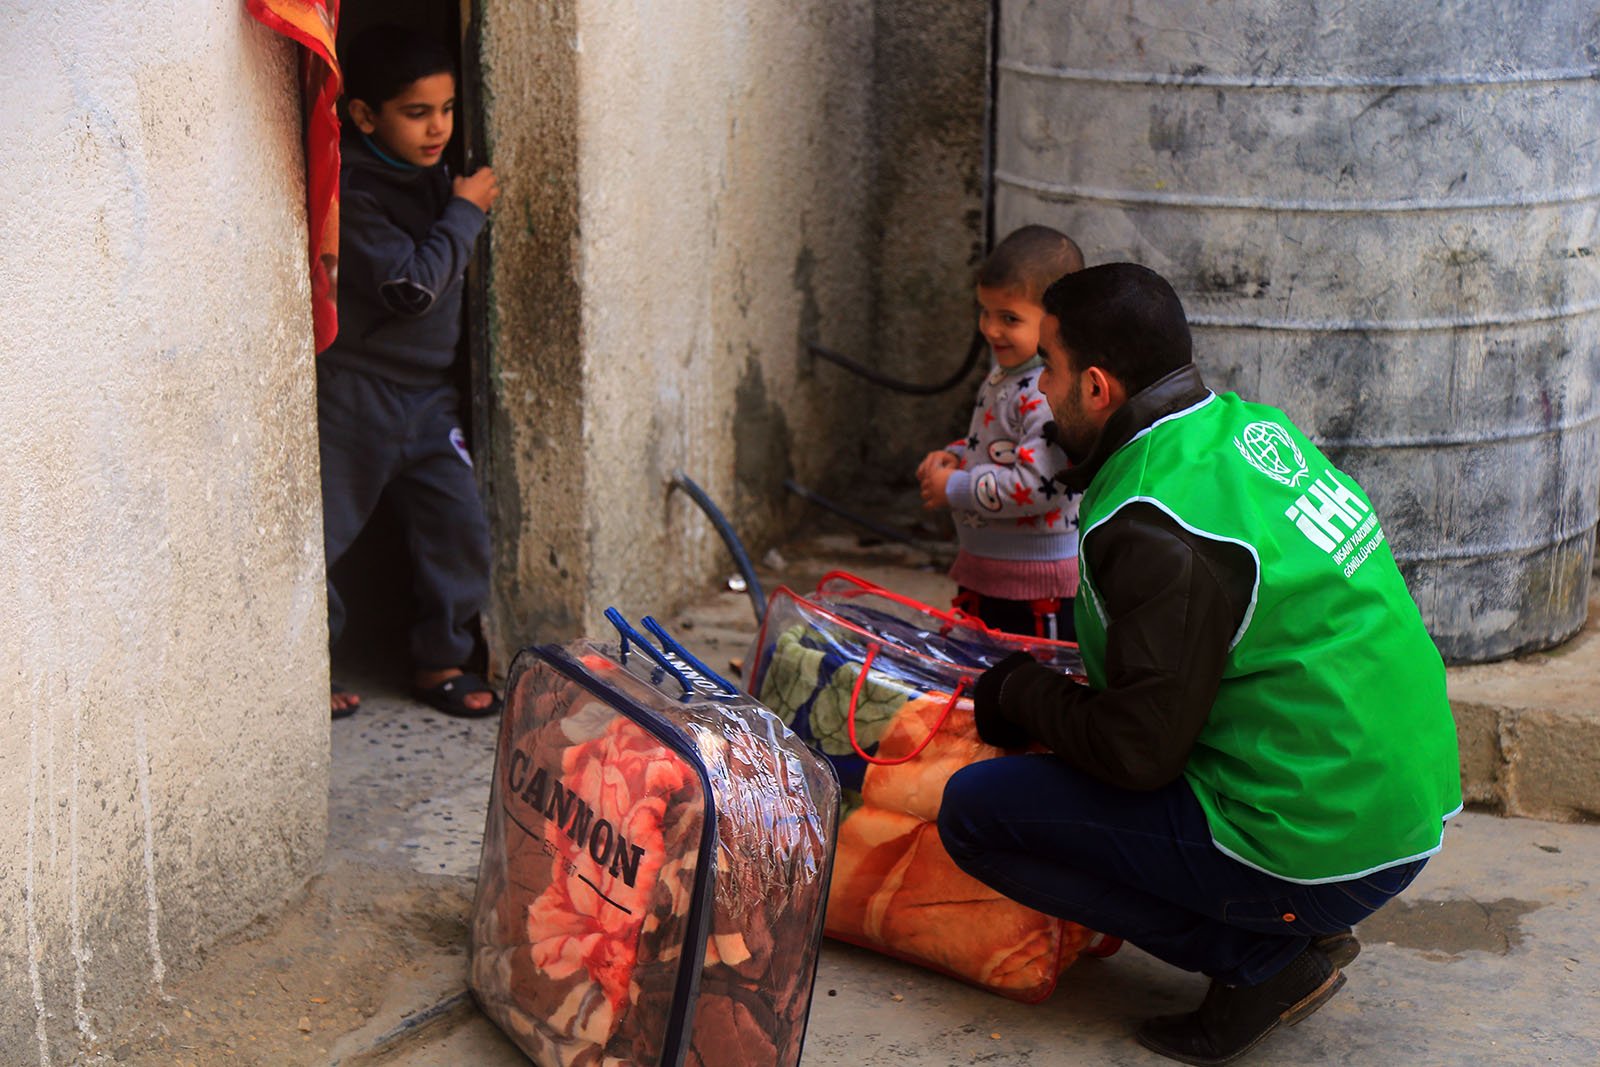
(1330, 751)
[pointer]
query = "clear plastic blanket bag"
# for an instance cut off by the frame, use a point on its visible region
(656, 862)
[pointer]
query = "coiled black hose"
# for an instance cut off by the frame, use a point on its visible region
(887, 532)
(974, 350)
(741, 558)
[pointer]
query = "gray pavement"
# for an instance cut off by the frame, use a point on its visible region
(1493, 956)
(1489, 958)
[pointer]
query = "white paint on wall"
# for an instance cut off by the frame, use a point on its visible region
(35, 943)
(152, 903)
(81, 955)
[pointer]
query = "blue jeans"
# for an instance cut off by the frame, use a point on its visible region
(1141, 866)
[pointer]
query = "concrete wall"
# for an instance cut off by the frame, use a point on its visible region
(692, 191)
(535, 467)
(930, 95)
(722, 151)
(162, 706)
(684, 199)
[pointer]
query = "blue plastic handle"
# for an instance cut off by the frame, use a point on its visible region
(626, 632)
(672, 645)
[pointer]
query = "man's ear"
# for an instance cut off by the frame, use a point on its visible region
(1105, 392)
(364, 117)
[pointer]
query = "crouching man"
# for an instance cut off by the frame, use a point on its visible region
(1264, 753)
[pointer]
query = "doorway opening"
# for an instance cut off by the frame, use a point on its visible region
(374, 575)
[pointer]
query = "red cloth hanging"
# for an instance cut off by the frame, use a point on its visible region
(314, 24)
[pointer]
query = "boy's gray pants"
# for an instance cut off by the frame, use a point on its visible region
(380, 439)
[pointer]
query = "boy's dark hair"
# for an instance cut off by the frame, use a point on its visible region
(380, 62)
(1124, 318)
(1029, 259)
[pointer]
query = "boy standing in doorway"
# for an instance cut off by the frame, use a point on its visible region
(386, 408)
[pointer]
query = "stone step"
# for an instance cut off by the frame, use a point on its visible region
(1530, 729)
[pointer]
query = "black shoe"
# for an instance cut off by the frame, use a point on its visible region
(1341, 948)
(1232, 1020)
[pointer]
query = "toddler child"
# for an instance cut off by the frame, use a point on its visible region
(386, 409)
(1017, 568)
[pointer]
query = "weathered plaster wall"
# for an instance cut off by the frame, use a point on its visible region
(687, 194)
(163, 768)
(724, 158)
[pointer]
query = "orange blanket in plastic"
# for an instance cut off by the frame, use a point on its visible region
(896, 890)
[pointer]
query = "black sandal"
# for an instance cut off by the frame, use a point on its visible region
(450, 697)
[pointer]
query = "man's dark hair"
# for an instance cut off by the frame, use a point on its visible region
(1124, 318)
(380, 62)
(1029, 259)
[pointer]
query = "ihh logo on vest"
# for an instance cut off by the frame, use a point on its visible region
(1327, 512)
(1271, 450)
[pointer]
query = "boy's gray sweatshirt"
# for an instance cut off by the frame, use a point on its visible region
(404, 242)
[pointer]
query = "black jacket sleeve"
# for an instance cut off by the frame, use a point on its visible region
(1173, 601)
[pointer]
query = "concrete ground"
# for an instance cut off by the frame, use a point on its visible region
(1492, 956)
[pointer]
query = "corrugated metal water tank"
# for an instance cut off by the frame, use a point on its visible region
(1381, 217)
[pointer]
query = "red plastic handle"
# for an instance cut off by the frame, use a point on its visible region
(855, 701)
(1102, 946)
(951, 617)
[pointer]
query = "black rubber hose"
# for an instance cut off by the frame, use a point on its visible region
(974, 350)
(878, 528)
(741, 558)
